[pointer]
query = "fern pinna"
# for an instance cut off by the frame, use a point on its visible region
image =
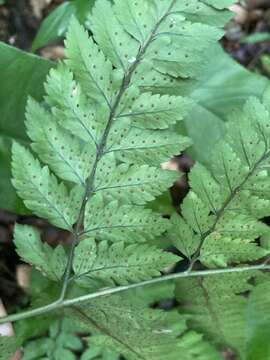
(98, 139)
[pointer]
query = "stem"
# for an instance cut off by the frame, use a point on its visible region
(101, 147)
(227, 202)
(81, 299)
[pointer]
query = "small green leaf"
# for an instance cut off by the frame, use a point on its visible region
(41, 191)
(51, 262)
(117, 222)
(182, 236)
(133, 184)
(118, 263)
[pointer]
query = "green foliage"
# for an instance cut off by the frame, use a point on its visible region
(139, 332)
(60, 343)
(257, 323)
(105, 126)
(216, 309)
(120, 263)
(51, 262)
(223, 210)
(8, 347)
(222, 223)
(23, 75)
(222, 86)
(55, 25)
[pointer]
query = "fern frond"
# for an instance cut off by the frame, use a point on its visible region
(51, 262)
(133, 184)
(106, 126)
(226, 204)
(217, 307)
(222, 223)
(145, 334)
(116, 222)
(156, 112)
(181, 235)
(118, 263)
(67, 157)
(41, 191)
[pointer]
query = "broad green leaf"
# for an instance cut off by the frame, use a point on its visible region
(223, 85)
(56, 24)
(23, 76)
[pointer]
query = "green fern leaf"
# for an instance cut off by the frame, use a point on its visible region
(118, 263)
(205, 11)
(30, 248)
(146, 334)
(133, 184)
(181, 235)
(91, 68)
(257, 322)
(155, 111)
(70, 106)
(57, 147)
(196, 213)
(219, 4)
(216, 309)
(221, 251)
(41, 191)
(106, 127)
(147, 147)
(116, 222)
(227, 202)
(117, 45)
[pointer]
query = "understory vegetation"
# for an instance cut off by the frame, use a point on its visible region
(138, 278)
